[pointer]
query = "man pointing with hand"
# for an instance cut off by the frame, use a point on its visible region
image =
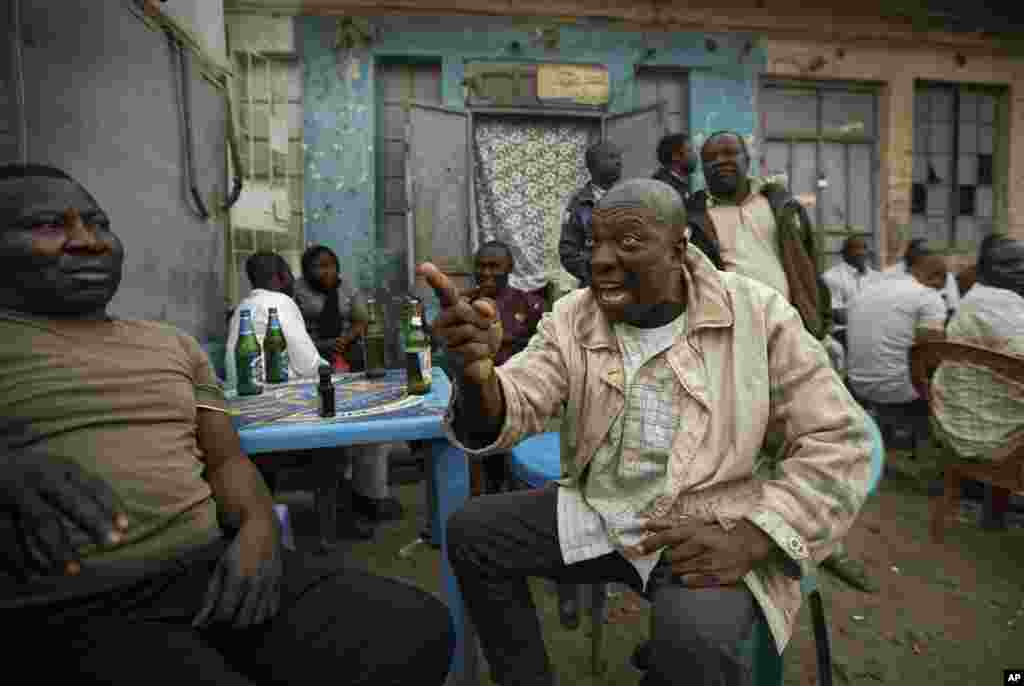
(671, 372)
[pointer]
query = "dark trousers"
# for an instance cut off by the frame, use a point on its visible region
(913, 414)
(335, 625)
(495, 542)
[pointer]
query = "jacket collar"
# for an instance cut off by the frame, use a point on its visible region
(707, 302)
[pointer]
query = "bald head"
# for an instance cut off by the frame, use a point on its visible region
(655, 199)
(638, 254)
(929, 269)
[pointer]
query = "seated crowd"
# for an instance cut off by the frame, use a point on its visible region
(322, 326)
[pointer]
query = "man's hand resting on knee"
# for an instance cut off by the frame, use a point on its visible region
(705, 555)
(245, 589)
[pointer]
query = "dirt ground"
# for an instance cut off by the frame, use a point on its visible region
(945, 614)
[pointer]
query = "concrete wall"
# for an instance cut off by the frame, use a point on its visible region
(895, 69)
(102, 104)
(339, 100)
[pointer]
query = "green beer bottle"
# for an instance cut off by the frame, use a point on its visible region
(417, 354)
(275, 349)
(248, 357)
(374, 340)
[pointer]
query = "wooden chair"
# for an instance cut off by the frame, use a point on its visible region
(1004, 470)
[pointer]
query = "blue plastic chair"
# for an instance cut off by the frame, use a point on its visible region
(536, 462)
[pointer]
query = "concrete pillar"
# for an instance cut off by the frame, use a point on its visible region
(896, 151)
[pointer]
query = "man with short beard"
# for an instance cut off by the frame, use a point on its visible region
(846, 280)
(138, 543)
(604, 162)
(759, 230)
(671, 372)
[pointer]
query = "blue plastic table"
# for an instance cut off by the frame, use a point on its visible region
(447, 483)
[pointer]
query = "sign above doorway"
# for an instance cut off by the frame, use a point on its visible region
(543, 86)
(583, 84)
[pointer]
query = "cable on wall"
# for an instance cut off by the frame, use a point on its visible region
(19, 80)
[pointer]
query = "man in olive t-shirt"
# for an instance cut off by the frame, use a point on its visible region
(138, 543)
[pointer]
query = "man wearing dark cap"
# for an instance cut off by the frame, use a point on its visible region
(604, 162)
(671, 371)
(138, 543)
(677, 163)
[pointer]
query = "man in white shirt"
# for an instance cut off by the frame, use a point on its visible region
(846, 280)
(272, 282)
(884, 322)
(950, 292)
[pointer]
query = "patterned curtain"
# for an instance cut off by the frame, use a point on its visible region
(526, 171)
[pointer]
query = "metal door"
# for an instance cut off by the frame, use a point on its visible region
(637, 132)
(437, 173)
(666, 86)
(398, 85)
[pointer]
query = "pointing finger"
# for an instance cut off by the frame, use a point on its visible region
(443, 287)
(486, 309)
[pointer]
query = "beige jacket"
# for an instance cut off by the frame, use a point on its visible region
(750, 365)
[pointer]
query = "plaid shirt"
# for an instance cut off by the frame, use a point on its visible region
(978, 411)
(744, 364)
(629, 470)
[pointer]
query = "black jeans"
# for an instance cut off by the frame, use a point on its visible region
(335, 625)
(495, 542)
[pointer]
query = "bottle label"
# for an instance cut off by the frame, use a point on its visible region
(250, 369)
(277, 366)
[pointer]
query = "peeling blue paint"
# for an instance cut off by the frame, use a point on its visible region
(339, 118)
